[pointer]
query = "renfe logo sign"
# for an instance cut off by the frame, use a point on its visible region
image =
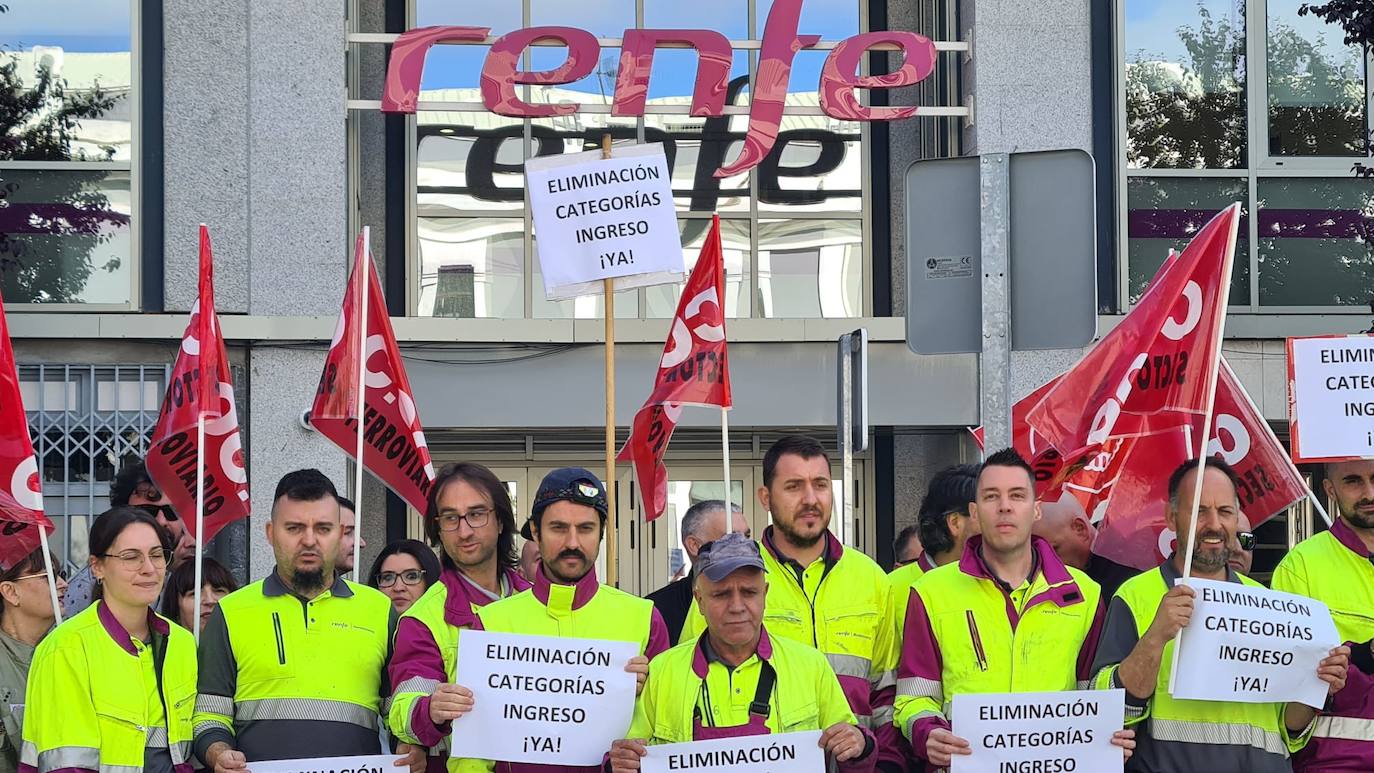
(780, 44)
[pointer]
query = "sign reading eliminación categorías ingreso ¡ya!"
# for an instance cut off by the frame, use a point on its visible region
(1053, 732)
(1331, 397)
(782, 753)
(604, 218)
(542, 699)
(1252, 645)
(374, 763)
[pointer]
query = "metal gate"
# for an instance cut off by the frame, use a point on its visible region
(86, 422)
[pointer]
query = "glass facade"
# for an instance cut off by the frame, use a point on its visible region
(1228, 100)
(793, 227)
(68, 114)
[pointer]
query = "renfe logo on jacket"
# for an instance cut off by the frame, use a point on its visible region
(780, 44)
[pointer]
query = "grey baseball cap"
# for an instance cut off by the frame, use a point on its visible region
(734, 551)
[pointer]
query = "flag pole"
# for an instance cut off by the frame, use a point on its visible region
(365, 279)
(52, 575)
(725, 454)
(1312, 497)
(608, 290)
(200, 508)
(1215, 367)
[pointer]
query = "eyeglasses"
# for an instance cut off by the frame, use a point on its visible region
(1246, 540)
(166, 511)
(409, 577)
(477, 517)
(61, 575)
(133, 559)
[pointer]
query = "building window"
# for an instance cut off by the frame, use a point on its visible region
(792, 228)
(87, 421)
(1226, 100)
(68, 172)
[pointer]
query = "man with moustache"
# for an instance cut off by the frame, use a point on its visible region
(1336, 567)
(761, 685)
(568, 521)
(823, 594)
(470, 518)
(1136, 650)
(978, 625)
(294, 665)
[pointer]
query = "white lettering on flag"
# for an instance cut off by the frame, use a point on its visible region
(782, 753)
(542, 699)
(1253, 645)
(1047, 732)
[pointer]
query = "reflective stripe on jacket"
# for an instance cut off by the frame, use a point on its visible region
(1186, 735)
(276, 667)
(1337, 569)
(967, 632)
(92, 701)
(425, 656)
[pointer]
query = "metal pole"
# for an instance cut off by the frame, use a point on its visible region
(365, 277)
(847, 426)
(994, 364)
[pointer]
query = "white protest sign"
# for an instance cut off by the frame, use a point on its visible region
(782, 753)
(542, 699)
(1331, 397)
(373, 763)
(1252, 645)
(1045, 732)
(604, 218)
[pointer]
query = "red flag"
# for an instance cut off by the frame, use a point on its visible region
(1133, 531)
(21, 489)
(1157, 368)
(394, 447)
(694, 370)
(201, 385)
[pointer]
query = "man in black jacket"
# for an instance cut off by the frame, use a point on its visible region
(702, 523)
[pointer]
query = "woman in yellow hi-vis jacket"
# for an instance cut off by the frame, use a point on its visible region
(114, 688)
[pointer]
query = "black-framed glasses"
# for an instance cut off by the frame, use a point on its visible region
(477, 517)
(133, 559)
(1246, 540)
(409, 577)
(167, 512)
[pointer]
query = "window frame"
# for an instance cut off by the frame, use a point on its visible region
(133, 167)
(1259, 164)
(752, 214)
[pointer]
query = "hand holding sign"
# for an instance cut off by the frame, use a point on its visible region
(626, 755)
(843, 741)
(1174, 612)
(449, 702)
(639, 666)
(942, 745)
(1334, 668)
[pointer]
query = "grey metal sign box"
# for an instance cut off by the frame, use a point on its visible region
(1052, 246)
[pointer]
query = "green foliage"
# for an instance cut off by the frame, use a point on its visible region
(51, 222)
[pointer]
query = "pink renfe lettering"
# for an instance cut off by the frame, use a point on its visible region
(500, 76)
(780, 44)
(839, 75)
(637, 59)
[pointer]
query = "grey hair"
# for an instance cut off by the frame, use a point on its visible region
(694, 520)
